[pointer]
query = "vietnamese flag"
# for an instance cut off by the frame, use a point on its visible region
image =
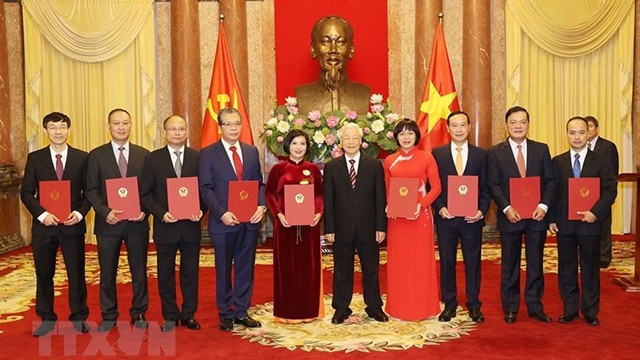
(223, 92)
(439, 97)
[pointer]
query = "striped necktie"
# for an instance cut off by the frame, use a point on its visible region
(352, 173)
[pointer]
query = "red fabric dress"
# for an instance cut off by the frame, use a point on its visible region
(412, 287)
(297, 260)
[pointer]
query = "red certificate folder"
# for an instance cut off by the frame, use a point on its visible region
(123, 194)
(299, 204)
(183, 196)
(525, 195)
(55, 197)
(403, 197)
(243, 199)
(462, 195)
(583, 194)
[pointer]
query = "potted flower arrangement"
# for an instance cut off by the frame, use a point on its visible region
(324, 129)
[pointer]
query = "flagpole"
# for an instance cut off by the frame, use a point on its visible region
(440, 16)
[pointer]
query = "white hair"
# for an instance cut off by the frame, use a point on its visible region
(350, 126)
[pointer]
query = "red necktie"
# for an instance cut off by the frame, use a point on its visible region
(59, 167)
(237, 163)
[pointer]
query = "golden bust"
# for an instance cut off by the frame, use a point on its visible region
(332, 45)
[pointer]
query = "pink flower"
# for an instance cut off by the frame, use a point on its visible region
(332, 121)
(366, 130)
(317, 123)
(390, 135)
(365, 145)
(268, 133)
(330, 139)
(292, 109)
(314, 115)
(280, 139)
(351, 115)
(377, 108)
(299, 121)
(280, 116)
(337, 152)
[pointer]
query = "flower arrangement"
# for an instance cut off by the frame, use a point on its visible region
(324, 129)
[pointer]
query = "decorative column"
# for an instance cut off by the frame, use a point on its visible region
(9, 180)
(476, 65)
(235, 27)
(185, 66)
(426, 23)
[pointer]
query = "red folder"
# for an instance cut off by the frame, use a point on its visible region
(462, 195)
(525, 195)
(403, 197)
(55, 197)
(299, 204)
(583, 194)
(243, 199)
(183, 196)
(123, 194)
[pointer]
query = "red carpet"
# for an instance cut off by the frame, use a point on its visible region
(617, 337)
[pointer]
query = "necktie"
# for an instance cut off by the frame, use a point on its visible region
(459, 167)
(590, 146)
(59, 167)
(520, 162)
(237, 163)
(178, 165)
(576, 166)
(122, 162)
(352, 173)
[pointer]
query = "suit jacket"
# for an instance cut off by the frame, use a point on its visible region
(476, 165)
(610, 151)
(214, 174)
(158, 167)
(595, 165)
(502, 166)
(349, 211)
(102, 165)
(40, 167)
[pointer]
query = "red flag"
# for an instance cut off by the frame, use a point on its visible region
(439, 97)
(223, 92)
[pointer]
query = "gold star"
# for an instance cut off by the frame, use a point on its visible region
(437, 106)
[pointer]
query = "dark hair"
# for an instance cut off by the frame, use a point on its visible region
(286, 144)
(225, 111)
(409, 125)
(515, 109)
(592, 119)
(115, 111)
(576, 118)
(55, 117)
(458, 113)
(347, 27)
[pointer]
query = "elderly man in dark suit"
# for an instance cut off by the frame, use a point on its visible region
(234, 242)
(579, 240)
(58, 161)
(170, 234)
(355, 219)
(460, 158)
(118, 159)
(519, 156)
(610, 151)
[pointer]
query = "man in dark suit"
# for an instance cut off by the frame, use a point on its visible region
(355, 219)
(58, 161)
(580, 239)
(117, 159)
(610, 151)
(234, 242)
(454, 159)
(521, 157)
(170, 234)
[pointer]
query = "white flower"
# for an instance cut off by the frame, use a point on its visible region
(291, 101)
(377, 126)
(290, 117)
(376, 99)
(318, 137)
(283, 126)
(272, 122)
(392, 117)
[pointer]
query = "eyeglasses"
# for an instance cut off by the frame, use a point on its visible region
(177, 129)
(233, 124)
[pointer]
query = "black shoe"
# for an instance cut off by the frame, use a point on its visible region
(447, 314)
(81, 326)
(106, 325)
(140, 322)
(247, 321)
(476, 315)
(226, 324)
(567, 318)
(604, 264)
(45, 327)
(592, 320)
(168, 325)
(378, 315)
(339, 316)
(540, 316)
(190, 323)
(510, 317)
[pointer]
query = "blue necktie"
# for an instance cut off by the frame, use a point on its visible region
(576, 166)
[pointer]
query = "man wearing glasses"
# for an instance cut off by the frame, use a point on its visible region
(234, 241)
